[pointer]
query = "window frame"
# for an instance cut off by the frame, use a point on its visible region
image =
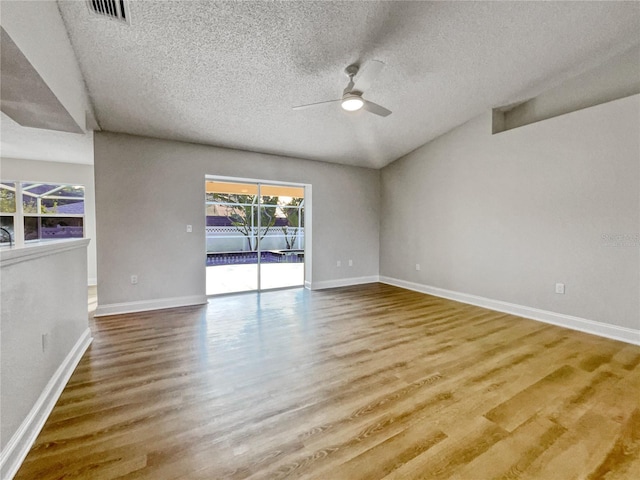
(13, 214)
(20, 217)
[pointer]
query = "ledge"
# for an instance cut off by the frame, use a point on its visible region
(13, 255)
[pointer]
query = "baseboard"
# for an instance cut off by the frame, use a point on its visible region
(18, 446)
(307, 284)
(344, 282)
(623, 334)
(145, 305)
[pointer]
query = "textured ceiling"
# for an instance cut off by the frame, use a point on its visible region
(228, 73)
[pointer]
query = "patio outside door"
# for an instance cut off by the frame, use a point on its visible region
(255, 236)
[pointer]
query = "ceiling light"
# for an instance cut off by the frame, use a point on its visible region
(351, 102)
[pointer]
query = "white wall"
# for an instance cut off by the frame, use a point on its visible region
(148, 190)
(57, 172)
(507, 216)
(43, 293)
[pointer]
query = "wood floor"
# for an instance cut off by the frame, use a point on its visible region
(364, 382)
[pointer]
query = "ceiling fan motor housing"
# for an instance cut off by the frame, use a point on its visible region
(351, 70)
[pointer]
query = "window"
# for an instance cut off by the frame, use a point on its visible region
(48, 211)
(7, 209)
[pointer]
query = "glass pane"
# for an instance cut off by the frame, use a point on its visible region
(30, 204)
(215, 187)
(74, 191)
(236, 226)
(52, 199)
(8, 197)
(56, 206)
(293, 226)
(61, 227)
(224, 213)
(232, 258)
(37, 189)
(31, 228)
(6, 222)
(281, 237)
(234, 213)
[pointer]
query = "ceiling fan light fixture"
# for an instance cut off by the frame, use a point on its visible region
(352, 100)
(351, 103)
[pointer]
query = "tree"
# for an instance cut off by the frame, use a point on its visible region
(243, 214)
(7, 200)
(30, 205)
(292, 214)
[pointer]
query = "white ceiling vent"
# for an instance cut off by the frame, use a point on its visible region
(114, 9)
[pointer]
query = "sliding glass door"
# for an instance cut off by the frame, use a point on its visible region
(255, 236)
(281, 237)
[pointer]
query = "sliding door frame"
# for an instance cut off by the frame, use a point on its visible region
(308, 243)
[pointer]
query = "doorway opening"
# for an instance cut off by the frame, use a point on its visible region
(255, 235)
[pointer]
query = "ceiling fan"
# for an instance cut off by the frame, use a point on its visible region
(359, 81)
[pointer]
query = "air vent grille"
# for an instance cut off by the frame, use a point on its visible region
(114, 9)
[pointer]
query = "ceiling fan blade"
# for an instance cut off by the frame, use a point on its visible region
(375, 108)
(367, 75)
(301, 107)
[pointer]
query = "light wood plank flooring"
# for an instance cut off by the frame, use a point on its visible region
(364, 382)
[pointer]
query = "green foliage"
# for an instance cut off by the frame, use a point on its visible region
(30, 205)
(52, 209)
(7, 201)
(293, 216)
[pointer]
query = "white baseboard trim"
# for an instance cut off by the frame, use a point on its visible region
(307, 284)
(18, 446)
(344, 282)
(145, 305)
(614, 332)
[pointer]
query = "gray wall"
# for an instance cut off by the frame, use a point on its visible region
(507, 216)
(57, 172)
(148, 190)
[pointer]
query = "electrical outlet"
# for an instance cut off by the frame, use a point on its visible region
(189, 228)
(351, 263)
(134, 279)
(418, 266)
(338, 263)
(560, 288)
